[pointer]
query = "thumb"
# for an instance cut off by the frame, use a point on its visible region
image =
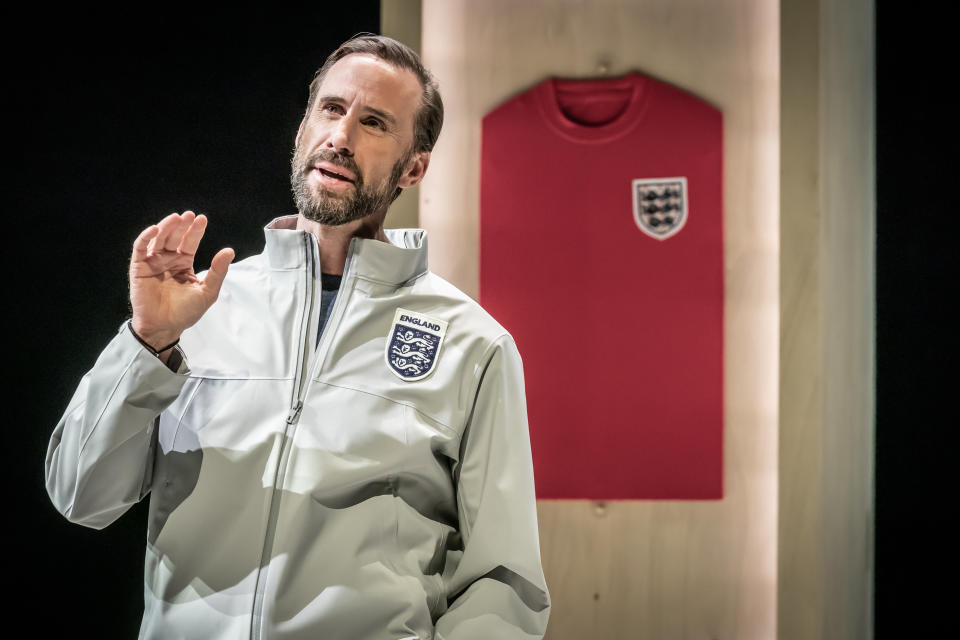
(218, 271)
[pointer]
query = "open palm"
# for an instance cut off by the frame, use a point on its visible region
(166, 295)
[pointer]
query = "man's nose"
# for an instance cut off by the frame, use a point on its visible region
(341, 137)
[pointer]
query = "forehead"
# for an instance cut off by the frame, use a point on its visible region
(374, 83)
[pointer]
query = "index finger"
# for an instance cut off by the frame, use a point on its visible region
(191, 239)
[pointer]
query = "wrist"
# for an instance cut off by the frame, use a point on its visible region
(158, 342)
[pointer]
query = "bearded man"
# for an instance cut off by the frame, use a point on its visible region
(334, 439)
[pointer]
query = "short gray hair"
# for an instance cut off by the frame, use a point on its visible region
(429, 118)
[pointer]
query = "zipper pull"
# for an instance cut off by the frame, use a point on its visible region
(295, 412)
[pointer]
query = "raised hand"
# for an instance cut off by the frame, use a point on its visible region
(165, 293)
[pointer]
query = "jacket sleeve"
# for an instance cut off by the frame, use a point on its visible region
(498, 588)
(99, 460)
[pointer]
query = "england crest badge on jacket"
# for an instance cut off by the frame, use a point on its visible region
(413, 346)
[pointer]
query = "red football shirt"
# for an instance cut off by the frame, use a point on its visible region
(601, 251)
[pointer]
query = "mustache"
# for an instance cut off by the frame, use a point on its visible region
(331, 156)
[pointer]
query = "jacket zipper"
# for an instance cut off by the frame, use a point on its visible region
(293, 416)
(301, 383)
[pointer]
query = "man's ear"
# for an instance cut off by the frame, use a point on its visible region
(416, 168)
(296, 141)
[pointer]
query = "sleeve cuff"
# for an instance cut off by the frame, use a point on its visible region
(177, 362)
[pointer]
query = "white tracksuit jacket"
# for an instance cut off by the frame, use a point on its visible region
(303, 490)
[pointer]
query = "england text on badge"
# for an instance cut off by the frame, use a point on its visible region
(413, 344)
(660, 206)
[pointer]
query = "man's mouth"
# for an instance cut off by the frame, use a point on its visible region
(335, 172)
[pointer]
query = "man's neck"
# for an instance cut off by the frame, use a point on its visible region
(334, 241)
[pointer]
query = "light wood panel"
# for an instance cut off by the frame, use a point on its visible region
(400, 20)
(827, 334)
(847, 163)
(801, 403)
(642, 569)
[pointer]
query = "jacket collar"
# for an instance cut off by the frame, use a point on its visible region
(403, 259)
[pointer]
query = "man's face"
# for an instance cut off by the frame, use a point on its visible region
(355, 145)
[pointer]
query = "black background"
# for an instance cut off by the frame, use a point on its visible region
(118, 118)
(114, 120)
(916, 330)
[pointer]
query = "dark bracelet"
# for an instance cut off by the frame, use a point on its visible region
(155, 352)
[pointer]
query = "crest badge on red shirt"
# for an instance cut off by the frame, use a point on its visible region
(660, 206)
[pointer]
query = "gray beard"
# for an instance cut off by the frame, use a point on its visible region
(326, 209)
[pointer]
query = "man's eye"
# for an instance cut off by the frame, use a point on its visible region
(332, 108)
(373, 122)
